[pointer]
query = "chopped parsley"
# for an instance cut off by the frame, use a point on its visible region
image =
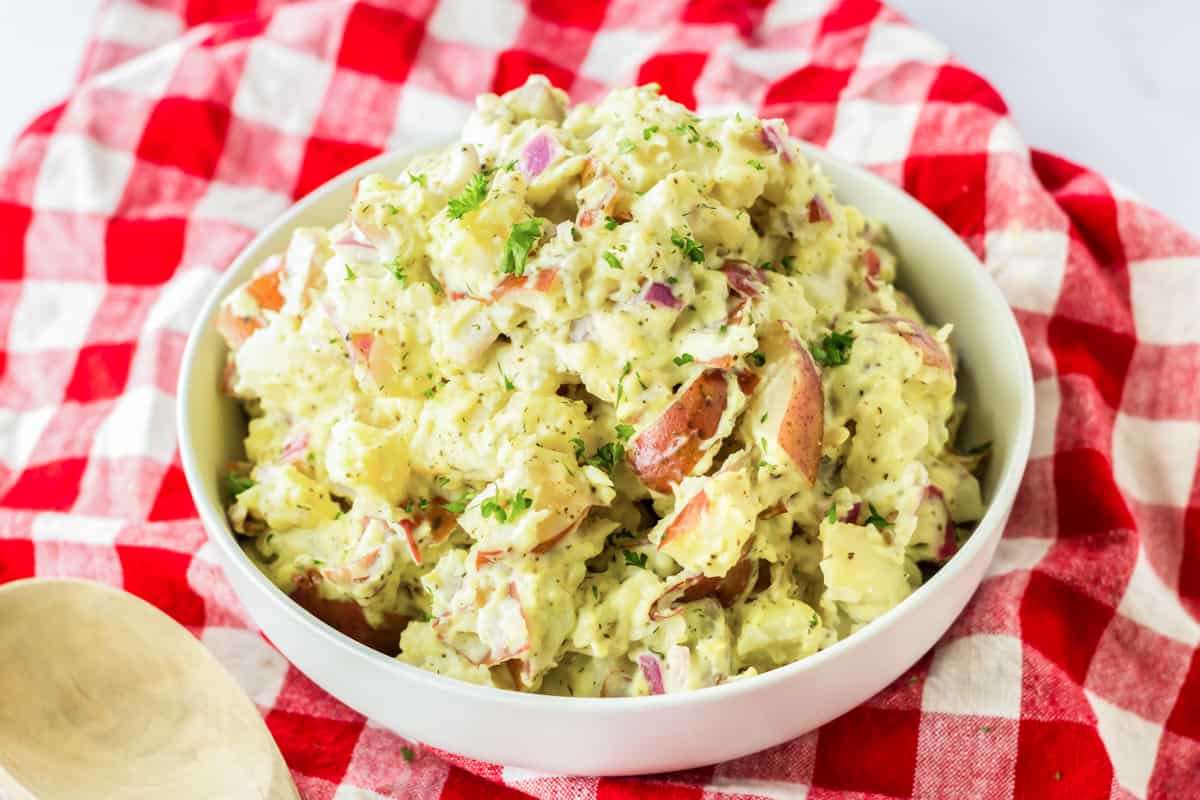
(877, 519)
(686, 358)
(437, 287)
(648, 132)
(625, 146)
(508, 385)
(755, 163)
(441, 480)
(519, 504)
(580, 448)
(350, 273)
(833, 350)
(831, 516)
(471, 197)
(460, 505)
(398, 269)
(691, 249)
(239, 483)
(635, 559)
(813, 621)
(391, 209)
(787, 262)
(624, 432)
(510, 166)
(689, 130)
(621, 384)
(610, 223)
(612, 260)
(407, 754)
(520, 241)
(417, 178)
(757, 358)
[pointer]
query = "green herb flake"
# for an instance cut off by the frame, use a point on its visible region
(813, 621)
(686, 358)
(611, 223)
(391, 209)
(437, 287)
(471, 197)
(350, 273)
(417, 178)
(758, 358)
(460, 505)
(239, 483)
(877, 519)
(831, 515)
(691, 249)
(689, 130)
(580, 448)
(398, 269)
(624, 432)
(833, 350)
(625, 146)
(521, 239)
(634, 559)
(648, 132)
(621, 384)
(508, 385)
(407, 753)
(788, 262)
(612, 260)
(755, 163)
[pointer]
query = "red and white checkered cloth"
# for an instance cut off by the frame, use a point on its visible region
(1075, 670)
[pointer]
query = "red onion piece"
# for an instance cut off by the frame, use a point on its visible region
(537, 154)
(652, 669)
(661, 295)
(413, 550)
(775, 142)
(851, 516)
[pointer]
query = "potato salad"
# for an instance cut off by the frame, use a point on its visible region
(600, 401)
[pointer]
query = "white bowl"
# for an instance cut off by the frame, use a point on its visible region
(621, 736)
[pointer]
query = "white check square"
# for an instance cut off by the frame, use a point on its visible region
(1155, 460)
(141, 423)
(1028, 266)
(79, 174)
(281, 87)
(1158, 287)
(53, 316)
(868, 132)
(979, 674)
(493, 25)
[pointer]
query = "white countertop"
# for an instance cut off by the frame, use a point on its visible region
(1113, 85)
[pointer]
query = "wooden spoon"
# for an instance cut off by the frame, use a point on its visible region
(105, 696)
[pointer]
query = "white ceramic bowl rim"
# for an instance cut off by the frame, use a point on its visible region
(214, 518)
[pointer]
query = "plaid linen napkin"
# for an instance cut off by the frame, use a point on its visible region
(1073, 673)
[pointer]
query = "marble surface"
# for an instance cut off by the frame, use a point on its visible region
(1111, 84)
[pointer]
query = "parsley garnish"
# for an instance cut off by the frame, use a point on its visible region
(624, 432)
(471, 197)
(635, 559)
(520, 241)
(686, 358)
(648, 132)
(407, 754)
(621, 384)
(508, 385)
(625, 146)
(460, 505)
(350, 273)
(757, 358)
(580, 448)
(685, 128)
(831, 516)
(510, 166)
(755, 163)
(833, 350)
(441, 480)
(391, 209)
(239, 483)
(437, 287)
(812, 623)
(690, 248)
(612, 260)
(397, 269)
(876, 518)
(608, 456)
(417, 178)
(787, 262)
(610, 223)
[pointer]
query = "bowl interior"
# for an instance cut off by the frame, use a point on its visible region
(942, 275)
